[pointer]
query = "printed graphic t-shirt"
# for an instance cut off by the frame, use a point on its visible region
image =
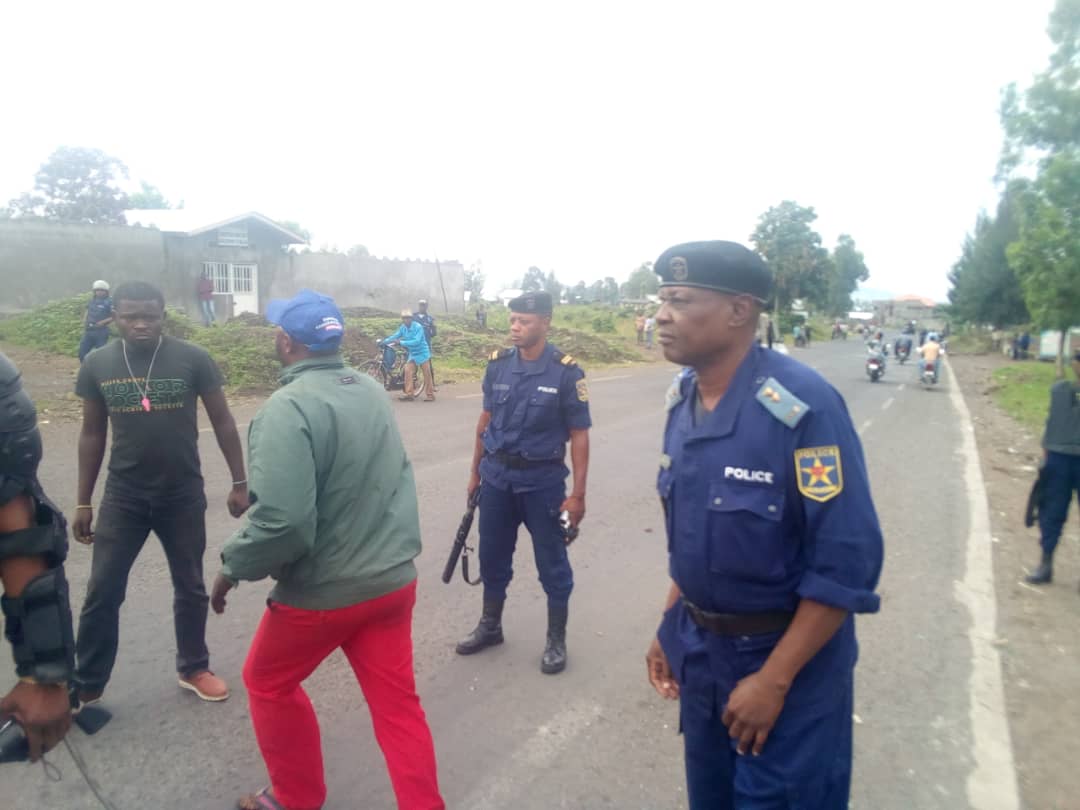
(154, 454)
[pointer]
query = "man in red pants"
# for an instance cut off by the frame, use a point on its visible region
(334, 520)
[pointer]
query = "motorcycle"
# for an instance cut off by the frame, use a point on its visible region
(902, 353)
(875, 367)
(929, 375)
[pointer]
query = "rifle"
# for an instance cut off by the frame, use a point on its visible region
(1035, 497)
(460, 549)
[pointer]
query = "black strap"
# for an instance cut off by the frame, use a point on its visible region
(465, 567)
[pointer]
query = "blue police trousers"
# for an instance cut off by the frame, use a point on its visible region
(1062, 479)
(806, 761)
(501, 513)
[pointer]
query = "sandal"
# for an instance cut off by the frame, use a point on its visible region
(260, 800)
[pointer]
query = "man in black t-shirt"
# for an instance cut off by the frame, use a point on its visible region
(147, 386)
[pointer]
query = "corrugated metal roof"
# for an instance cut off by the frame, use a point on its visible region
(192, 222)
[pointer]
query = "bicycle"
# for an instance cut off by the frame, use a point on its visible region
(389, 369)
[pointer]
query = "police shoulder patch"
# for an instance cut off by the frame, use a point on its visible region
(567, 360)
(820, 472)
(781, 403)
(499, 354)
(674, 393)
(582, 390)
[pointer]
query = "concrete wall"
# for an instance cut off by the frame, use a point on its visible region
(43, 261)
(367, 281)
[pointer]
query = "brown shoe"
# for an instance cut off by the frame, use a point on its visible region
(206, 685)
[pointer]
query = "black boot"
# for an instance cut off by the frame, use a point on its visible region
(554, 659)
(1044, 573)
(488, 632)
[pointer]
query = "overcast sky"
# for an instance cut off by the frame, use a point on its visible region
(582, 137)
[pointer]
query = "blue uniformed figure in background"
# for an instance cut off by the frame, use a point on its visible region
(99, 314)
(1059, 476)
(535, 400)
(773, 545)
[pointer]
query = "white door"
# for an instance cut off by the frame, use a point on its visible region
(241, 281)
(245, 287)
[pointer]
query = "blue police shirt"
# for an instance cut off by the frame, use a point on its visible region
(534, 405)
(761, 511)
(767, 501)
(99, 310)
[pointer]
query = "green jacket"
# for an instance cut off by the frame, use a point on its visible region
(334, 516)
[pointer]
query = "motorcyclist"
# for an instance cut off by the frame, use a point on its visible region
(930, 352)
(874, 348)
(903, 346)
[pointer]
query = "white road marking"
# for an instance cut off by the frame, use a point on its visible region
(535, 756)
(888, 403)
(469, 396)
(612, 377)
(240, 428)
(902, 387)
(991, 785)
(865, 426)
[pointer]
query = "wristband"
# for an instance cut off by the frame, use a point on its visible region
(238, 483)
(84, 506)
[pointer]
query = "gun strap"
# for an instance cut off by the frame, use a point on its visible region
(465, 568)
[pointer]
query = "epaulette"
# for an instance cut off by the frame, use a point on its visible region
(499, 354)
(564, 358)
(674, 393)
(781, 403)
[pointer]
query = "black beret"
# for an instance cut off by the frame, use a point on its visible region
(723, 266)
(532, 303)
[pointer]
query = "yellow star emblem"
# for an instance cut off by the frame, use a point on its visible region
(819, 473)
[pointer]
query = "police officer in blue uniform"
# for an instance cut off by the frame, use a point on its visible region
(99, 314)
(773, 546)
(535, 400)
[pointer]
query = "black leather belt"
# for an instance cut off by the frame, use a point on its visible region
(515, 462)
(739, 624)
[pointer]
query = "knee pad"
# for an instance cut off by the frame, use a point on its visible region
(38, 625)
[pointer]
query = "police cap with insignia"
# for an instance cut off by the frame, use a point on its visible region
(722, 266)
(532, 303)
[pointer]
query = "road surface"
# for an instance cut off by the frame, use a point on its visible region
(928, 731)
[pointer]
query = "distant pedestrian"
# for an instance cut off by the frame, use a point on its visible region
(771, 333)
(205, 289)
(147, 386)
(427, 321)
(481, 316)
(1060, 474)
(411, 335)
(808, 335)
(639, 325)
(1025, 345)
(336, 524)
(650, 328)
(99, 314)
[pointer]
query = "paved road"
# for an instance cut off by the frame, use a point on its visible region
(595, 736)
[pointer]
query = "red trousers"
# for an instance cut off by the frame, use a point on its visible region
(376, 637)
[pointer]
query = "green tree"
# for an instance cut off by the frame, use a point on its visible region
(533, 281)
(552, 286)
(611, 290)
(985, 287)
(76, 185)
(1044, 123)
(474, 282)
(1046, 255)
(578, 293)
(847, 270)
(642, 282)
(785, 238)
(295, 227)
(148, 197)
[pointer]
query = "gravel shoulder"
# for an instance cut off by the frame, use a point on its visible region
(1038, 628)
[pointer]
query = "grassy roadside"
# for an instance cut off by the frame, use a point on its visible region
(244, 347)
(1022, 390)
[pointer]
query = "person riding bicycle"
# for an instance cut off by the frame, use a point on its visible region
(411, 335)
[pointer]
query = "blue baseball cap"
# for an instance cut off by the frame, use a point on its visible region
(309, 318)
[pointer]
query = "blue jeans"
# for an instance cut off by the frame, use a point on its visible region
(501, 512)
(1062, 479)
(123, 524)
(93, 338)
(207, 308)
